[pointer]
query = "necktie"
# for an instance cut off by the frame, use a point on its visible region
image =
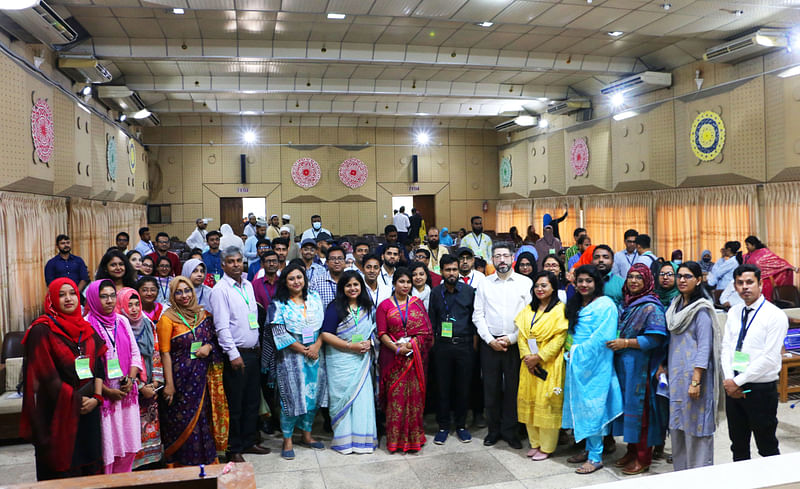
(743, 329)
(466, 280)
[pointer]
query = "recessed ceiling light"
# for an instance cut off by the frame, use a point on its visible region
(589, 1)
(178, 11)
(525, 120)
(615, 33)
(543, 123)
(335, 16)
(249, 137)
(617, 99)
(86, 91)
(122, 117)
(666, 6)
(486, 23)
(142, 114)
(423, 138)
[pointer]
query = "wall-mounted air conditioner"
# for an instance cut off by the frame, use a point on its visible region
(644, 82)
(43, 23)
(83, 69)
(748, 46)
(562, 107)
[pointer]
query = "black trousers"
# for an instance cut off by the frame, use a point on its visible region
(500, 383)
(756, 413)
(454, 364)
(476, 386)
(243, 392)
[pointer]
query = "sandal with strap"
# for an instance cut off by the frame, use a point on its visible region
(588, 467)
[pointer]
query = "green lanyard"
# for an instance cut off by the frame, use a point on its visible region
(187, 324)
(356, 315)
(244, 296)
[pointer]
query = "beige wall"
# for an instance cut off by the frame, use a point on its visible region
(459, 168)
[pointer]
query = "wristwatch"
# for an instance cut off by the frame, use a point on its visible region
(695, 383)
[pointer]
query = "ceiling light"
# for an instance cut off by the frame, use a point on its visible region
(525, 120)
(617, 99)
(615, 33)
(738, 13)
(423, 138)
(334, 16)
(18, 4)
(486, 23)
(625, 115)
(794, 71)
(178, 11)
(86, 91)
(666, 6)
(543, 123)
(543, 99)
(589, 1)
(142, 114)
(122, 117)
(249, 137)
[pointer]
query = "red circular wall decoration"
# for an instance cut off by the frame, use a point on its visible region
(42, 130)
(579, 156)
(353, 172)
(306, 172)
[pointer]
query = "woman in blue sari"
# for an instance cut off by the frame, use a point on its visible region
(638, 352)
(302, 381)
(592, 397)
(348, 332)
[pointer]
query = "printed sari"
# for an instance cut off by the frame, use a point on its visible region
(402, 392)
(775, 271)
(352, 400)
(151, 451)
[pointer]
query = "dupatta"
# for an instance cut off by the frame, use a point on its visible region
(349, 372)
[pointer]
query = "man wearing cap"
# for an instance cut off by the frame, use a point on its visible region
(285, 222)
(466, 268)
(324, 241)
(315, 230)
(250, 227)
(308, 252)
(251, 245)
(273, 230)
(477, 241)
(198, 237)
(294, 249)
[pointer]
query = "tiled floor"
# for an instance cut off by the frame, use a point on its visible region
(453, 465)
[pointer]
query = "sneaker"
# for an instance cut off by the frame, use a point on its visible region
(441, 437)
(463, 435)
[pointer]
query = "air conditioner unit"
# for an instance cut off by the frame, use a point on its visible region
(124, 100)
(84, 69)
(561, 107)
(748, 46)
(506, 126)
(644, 82)
(44, 23)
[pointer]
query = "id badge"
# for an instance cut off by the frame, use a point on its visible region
(82, 368)
(741, 361)
(357, 338)
(533, 346)
(253, 319)
(552, 251)
(114, 372)
(447, 329)
(568, 342)
(308, 336)
(217, 277)
(195, 346)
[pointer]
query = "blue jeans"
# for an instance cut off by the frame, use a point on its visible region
(594, 444)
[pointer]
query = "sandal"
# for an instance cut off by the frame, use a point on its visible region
(579, 457)
(588, 467)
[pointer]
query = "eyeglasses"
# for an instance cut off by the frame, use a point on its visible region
(636, 277)
(684, 276)
(666, 274)
(182, 292)
(505, 255)
(271, 260)
(105, 297)
(336, 258)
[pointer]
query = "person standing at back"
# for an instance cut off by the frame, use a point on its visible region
(315, 230)
(416, 225)
(479, 243)
(250, 227)
(198, 237)
(498, 300)
(144, 246)
(286, 221)
(66, 265)
(646, 255)
(575, 249)
(624, 259)
(751, 362)
(162, 249)
(402, 223)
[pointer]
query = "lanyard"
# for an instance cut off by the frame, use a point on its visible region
(533, 321)
(403, 317)
(477, 241)
(471, 277)
(447, 306)
(746, 327)
(356, 314)
(113, 341)
(631, 261)
(202, 291)
(373, 299)
(187, 323)
(383, 275)
(164, 289)
(80, 337)
(244, 296)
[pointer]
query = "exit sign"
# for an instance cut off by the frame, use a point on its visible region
(242, 190)
(413, 188)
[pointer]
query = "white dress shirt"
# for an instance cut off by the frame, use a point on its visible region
(623, 261)
(197, 239)
(730, 295)
(231, 315)
(311, 234)
(401, 222)
(473, 279)
(763, 342)
(497, 303)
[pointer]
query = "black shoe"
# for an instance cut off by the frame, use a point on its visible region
(491, 440)
(514, 443)
(609, 445)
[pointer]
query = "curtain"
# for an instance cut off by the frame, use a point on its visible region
(725, 214)
(505, 215)
(513, 213)
(29, 225)
(676, 226)
(555, 206)
(608, 216)
(782, 213)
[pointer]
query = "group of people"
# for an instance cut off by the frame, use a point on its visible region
(169, 363)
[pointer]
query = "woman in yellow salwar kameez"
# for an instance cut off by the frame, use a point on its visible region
(540, 398)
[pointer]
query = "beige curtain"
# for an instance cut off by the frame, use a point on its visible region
(676, 216)
(606, 217)
(505, 215)
(725, 214)
(513, 213)
(555, 206)
(29, 225)
(782, 215)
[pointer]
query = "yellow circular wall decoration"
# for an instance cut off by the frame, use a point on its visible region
(707, 137)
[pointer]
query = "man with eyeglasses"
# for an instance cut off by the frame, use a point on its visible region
(264, 289)
(324, 284)
(162, 249)
(466, 268)
(254, 268)
(308, 251)
(624, 259)
(423, 255)
(498, 300)
(603, 259)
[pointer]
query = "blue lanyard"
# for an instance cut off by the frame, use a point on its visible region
(446, 306)
(165, 289)
(746, 327)
(403, 317)
(630, 262)
(477, 241)
(375, 299)
(112, 340)
(533, 321)
(201, 294)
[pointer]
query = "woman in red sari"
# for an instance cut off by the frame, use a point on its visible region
(775, 271)
(406, 338)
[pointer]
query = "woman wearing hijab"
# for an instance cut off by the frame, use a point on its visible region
(195, 271)
(63, 371)
(526, 264)
(705, 261)
(150, 377)
(229, 239)
(194, 412)
(677, 257)
(548, 244)
(122, 437)
(638, 353)
(444, 238)
(666, 286)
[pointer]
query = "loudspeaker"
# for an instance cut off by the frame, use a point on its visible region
(243, 166)
(414, 169)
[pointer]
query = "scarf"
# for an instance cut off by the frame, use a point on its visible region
(424, 295)
(666, 295)
(192, 313)
(141, 327)
(73, 326)
(95, 314)
(648, 284)
(678, 321)
(189, 267)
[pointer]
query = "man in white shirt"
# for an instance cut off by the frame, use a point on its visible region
(315, 230)
(402, 223)
(198, 237)
(372, 269)
(498, 300)
(479, 243)
(466, 268)
(624, 259)
(751, 362)
(145, 246)
(285, 222)
(250, 227)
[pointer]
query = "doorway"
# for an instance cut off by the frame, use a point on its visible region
(230, 212)
(426, 206)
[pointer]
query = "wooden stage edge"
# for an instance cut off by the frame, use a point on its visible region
(241, 476)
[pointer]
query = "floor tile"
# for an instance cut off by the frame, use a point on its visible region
(385, 475)
(459, 470)
(299, 479)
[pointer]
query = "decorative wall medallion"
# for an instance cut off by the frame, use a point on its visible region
(505, 171)
(707, 137)
(306, 172)
(353, 172)
(132, 156)
(111, 158)
(42, 130)
(579, 156)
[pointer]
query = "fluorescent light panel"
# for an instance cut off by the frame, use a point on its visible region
(625, 115)
(793, 71)
(335, 16)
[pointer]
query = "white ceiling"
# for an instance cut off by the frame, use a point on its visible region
(398, 57)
